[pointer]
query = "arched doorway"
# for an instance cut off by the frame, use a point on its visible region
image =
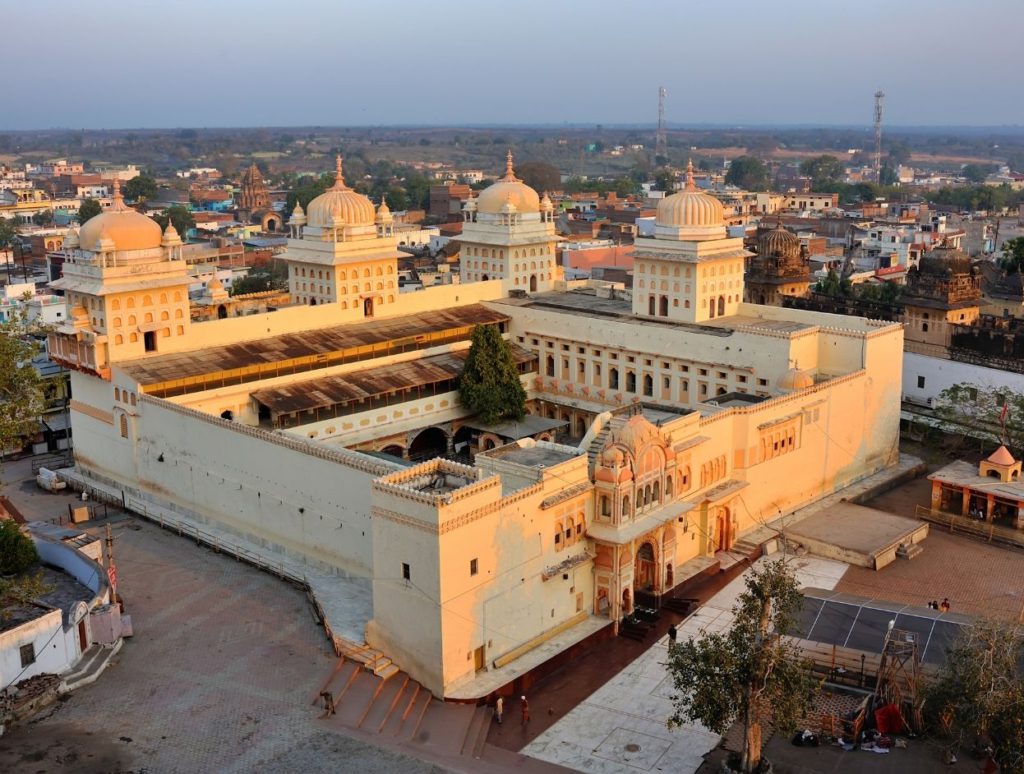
(723, 530)
(646, 570)
(393, 450)
(533, 283)
(368, 307)
(312, 302)
(271, 224)
(650, 306)
(711, 307)
(431, 442)
(721, 306)
(462, 442)
(484, 278)
(664, 306)
(222, 312)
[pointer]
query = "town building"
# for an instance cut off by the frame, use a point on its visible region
(253, 204)
(664, 423)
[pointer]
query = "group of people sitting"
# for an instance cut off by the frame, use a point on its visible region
(977, 513)
(942, 606)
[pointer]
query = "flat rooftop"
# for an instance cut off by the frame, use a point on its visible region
(183, 372)
(540, 455)
(513, 429)
(64, 592)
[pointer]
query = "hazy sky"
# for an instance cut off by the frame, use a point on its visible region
(171, 63)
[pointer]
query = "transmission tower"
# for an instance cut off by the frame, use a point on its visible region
(879, 96)
(660, 138)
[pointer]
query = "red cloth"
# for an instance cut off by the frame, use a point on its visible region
(888, 719)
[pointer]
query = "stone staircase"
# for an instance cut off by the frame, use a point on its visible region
(371, 659)
(89, 667)
(405, 711)
(909, 550)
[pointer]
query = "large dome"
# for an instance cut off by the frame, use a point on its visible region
(128, 229)
(779, 241)
(340, 200)
(508, 190)
(690, 208)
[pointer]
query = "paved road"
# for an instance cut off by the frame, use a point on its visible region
(218, 677)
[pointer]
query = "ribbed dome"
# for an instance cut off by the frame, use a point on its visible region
(795, 379)
(778, 241)
(690, 208)
(384, 212)
(353, 208)
(509, 189)
(126, 228)
(945, 261)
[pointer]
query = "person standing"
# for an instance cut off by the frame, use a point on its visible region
(672, 634)
(526, 710)
(499, 709)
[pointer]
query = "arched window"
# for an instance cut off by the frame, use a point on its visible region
(625, 506)
(149, 317)
(657, 492)
(147, 301)
(549, 367)
(124, 426)
(119, 339)
(163, 298)
(131, 303)
(613, 378)
(630, 381)
(648, 385)
(606, 506)
(115, 304)
(117, 322)
(133, 338)
(711, 307)
(650, 306)
(165, 316)
(721, 305)
(178, 314)
(668, 487)
(117, 393)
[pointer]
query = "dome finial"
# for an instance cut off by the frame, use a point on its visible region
(118, 204)
(510, 174)
(690, 185)
(339, 178)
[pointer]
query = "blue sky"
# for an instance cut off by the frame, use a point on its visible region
(332, 62)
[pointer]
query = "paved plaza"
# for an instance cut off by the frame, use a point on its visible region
(621, 726)
(218, 676)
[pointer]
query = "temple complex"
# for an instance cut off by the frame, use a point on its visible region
(664, 423)
(778, 269)
(253, 202)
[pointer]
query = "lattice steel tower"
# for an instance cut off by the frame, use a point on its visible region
(660, 137)
(879, 96)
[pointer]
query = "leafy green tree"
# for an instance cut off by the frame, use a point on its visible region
(748, 172)
(665, 180)
(260, 280)
(21, 390)
(17, 551)
(44, 218)
(1013, 255)
(539, 175)
(979, 689)
(823, 169)
(180, 216)
(977, 173)
(834, 286)
(398, 199)
(748, 672)
(899, 153)
(20, 589)
(969, 410)
(888, 175)
(89, 208)
(625, 186)
(140, 188)
(489, 384)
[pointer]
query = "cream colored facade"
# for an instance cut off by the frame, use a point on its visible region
(684, 430)
(509, 234)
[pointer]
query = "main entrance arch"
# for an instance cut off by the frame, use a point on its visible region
(429, 443)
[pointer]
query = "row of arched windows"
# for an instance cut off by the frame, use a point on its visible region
(147, 300)
(148, 317)
(569, 529)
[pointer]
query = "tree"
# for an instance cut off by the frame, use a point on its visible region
(89, 208)
(625, 186)
(977, 173)
(979, 689)
(44, 218)
(748, 172)
(140, 188)
(834, 286)
(8, 232)
(21, 391)
(749, 671)
(899, 153)
(1013, 255)
(823, 169)
(489, 384)
(180, 216)
(21, 590)
(539, 175)
(17, 551)
(973, 410)
(665, 180)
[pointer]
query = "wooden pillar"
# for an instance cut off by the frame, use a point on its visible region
(967, 501)
(936, 495)
(990, 507)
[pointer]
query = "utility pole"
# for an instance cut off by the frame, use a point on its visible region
(111, 568)
(660, 137)
(879, 96)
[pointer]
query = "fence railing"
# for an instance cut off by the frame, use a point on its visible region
(986, 530)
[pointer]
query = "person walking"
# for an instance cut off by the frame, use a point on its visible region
(672, 634)
(944, 607)
(499, 709)
(526, 710)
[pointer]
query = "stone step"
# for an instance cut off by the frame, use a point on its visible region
(478, 725)
(409, 700)
(380, 704)
(92, 664)
(909, 551)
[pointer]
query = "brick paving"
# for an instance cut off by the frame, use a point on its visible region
(980, 579)
(217, 677)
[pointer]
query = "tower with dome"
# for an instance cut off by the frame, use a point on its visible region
(341, 250)
(509, 234)
(690, 270)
